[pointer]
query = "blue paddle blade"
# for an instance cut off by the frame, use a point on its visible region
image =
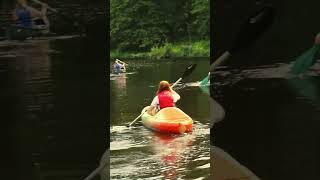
(204, 81)
(305, 61)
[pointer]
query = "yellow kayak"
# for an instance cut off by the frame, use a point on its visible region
(168, 120)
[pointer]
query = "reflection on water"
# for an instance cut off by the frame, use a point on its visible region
(136, 152)
(43, 102)
(171, 151)
(149, 155)
(53, 95)
(120, 82)
(271, 117)
(30, 72)
(37, 74)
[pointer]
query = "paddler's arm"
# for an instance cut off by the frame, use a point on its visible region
(153, 105)
(36, 13)
(151, 110)
(14, 15)
(121, 62)
(44, 10)
(175, 95)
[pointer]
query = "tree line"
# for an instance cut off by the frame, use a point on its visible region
(139, 25)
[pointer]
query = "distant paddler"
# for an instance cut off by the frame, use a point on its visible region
(29, 17)
(119, 66)
(165, 97)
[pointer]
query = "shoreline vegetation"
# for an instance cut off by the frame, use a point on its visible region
(159, 29)
(168, 50)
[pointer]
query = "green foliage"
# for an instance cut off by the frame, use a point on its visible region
(139, 25)
(114, 54)
(201, 17)
(168, 50)
(135, 24)
(201, 48)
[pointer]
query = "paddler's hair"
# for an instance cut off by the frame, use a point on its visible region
(163, 86)
(21, 2)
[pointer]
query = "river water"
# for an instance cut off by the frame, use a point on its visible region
(53, 100)
(272, 119)
(54, 109)
(138, 153)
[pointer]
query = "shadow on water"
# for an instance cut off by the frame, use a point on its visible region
(271, 120)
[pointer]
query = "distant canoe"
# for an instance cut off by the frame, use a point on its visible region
(122, 70)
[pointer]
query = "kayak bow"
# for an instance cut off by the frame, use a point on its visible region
(168, 120)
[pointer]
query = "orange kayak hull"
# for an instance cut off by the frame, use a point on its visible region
(168, 120)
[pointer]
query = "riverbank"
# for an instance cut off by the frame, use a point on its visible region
(169, 50)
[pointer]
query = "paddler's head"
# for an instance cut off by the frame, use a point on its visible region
(22, 2)
(163, 86)
(317, 39)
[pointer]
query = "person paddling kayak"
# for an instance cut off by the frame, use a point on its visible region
(119, 66)
(165, 97)
(29, 17)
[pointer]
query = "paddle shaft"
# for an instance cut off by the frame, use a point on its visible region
(50, 8)
(138, 117)
(174, 84)
(148, 109)
(59, 13)
(122, 62)
(220, 60)
(253, 28)
(215, 64)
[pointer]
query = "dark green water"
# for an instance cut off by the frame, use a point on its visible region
(53, 102)
(140, 153)
(272, 120)
(53, 99)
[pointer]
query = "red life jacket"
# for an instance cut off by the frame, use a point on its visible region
(165, 99)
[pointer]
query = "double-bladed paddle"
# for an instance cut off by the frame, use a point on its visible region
(186, 73)
(50, 8)
(57, 12)
(254, 26)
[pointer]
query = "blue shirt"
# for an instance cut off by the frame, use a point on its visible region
(24, 17)
(117, 68)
